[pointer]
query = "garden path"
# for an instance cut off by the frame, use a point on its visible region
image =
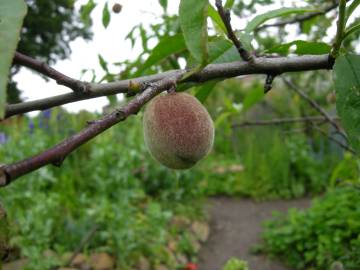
(235, 227)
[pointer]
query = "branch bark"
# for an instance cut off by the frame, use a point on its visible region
(314, 104)
(340, 143)
(282, 121)
(43, 68)
(57, 154)
(226, 18)
(301, 18)
(214, 71)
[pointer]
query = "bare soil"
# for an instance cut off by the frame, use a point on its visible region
(235, 226)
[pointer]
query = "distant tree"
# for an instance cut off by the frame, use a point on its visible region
(47, 37)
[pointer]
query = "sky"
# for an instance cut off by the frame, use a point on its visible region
(110, 43)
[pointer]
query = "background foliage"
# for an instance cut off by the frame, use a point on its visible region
(113, 184)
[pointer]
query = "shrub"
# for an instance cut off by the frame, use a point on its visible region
(315, 238)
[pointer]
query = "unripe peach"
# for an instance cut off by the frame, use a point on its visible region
(178, 130)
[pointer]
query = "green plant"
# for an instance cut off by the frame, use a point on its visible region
(315, 238)
(119, 188)
(236, 264)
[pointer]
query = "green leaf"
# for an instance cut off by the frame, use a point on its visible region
(103, 63)
(352, 8)
(229, 4)
(144, 38)
(163, 3)
(302, 47)
(351, 31)
(231, 55)
(215, 17)
(112, 100)
(253, 97)
(282, 12)
(204, 90)
(246, 39)
(12, 13)
(218, 47)
(347, 86)
(106, 15)
(222, 118)
(85, 12)
(193, 22)
(166, 47)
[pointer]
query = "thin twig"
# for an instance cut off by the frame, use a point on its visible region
(226, 18)
(43, 68)
(262, 65)
(301, 18)
(314, 104)
(56, 154)
(340, 29)
(82, 244)
(340, 143)
(282, 121)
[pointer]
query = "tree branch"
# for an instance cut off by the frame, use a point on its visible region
(43, 68)
(59, 152)
(214, 71)
(314, 104)
(301, 18)
(340, 143)
(226, 18)
(282, 121)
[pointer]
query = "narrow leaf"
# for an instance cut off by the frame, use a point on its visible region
(347, 86)
(85, 12)
(253, 97)
(352, 8)
(215, 17)
(218, 47)
(103, 63)
(302, 47)
(229, 4)
(193, 22)
(351, 31)
(106, 15)
(12, 13)
(282, 12)
(164, 4)
(203, 91)
(166, 47)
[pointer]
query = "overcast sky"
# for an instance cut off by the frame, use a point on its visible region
(110, 43)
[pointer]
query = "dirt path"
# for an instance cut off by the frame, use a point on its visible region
(235, 227)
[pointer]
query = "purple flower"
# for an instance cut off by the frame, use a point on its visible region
(31, 126)
(46, 114)
(44, 119)
(3, 138)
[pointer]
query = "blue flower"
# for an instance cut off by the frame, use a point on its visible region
(46, 113)
(3, 138)
(31, 126)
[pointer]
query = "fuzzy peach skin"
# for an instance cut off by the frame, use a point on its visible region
(178, 130)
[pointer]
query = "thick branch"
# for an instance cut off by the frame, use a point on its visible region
(43, 68)
(58, 153)
(215, 71)
(283, 121)
(226, 18)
